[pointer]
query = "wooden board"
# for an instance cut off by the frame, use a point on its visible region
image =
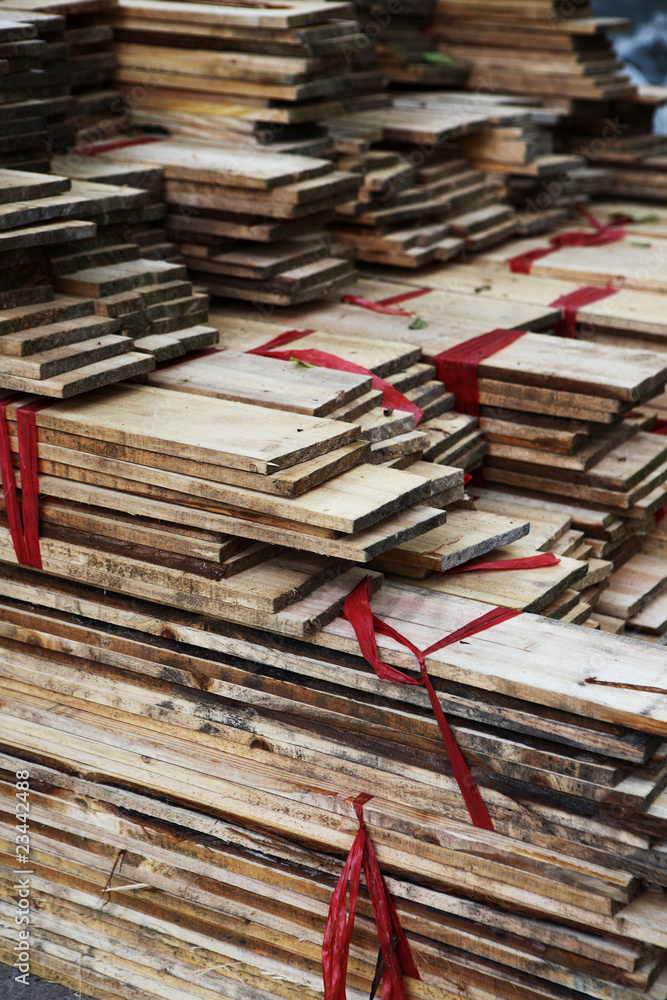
(262, 381)
(172, 424)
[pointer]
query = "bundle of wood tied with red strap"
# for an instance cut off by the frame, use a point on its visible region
(193, 787)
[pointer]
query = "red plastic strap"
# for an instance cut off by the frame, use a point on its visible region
(573, 302)
(107, 147)
(194, 356)
(660, 427)
(357, 610)
(23, 523)
(338, 932)
(288, 337)
(660, 515)
(386, 305)
(522, 264)
(392, 399)
(9, 493)
(457, 367)
(527, 562)
(393, 300)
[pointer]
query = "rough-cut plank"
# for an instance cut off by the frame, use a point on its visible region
(198, 427)
(466, 534)
(627, 686)
(248, 378)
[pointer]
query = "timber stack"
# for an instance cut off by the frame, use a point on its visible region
(71, 68)
(248, 558)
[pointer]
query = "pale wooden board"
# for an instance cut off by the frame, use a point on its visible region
(288, 15)
(220, 165)
(627, 309)
(248, 378)
(524, 590)
(633, 585)
(174, 423)
(383, 357)
(625, 264)
(71, 449)
(466, 535)
(653, 616)
(503, 659)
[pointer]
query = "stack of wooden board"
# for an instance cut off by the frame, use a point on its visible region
(145, 226)
(443, 436)
(81, 307)
(36, 108)
(632, 263)
(626, 317)
(97, 111)
(404, 51)
(535, 47)
(191, 786)
(619, 137)
(250, 73)
(420, 199)
(151, 514)
(249, 224)
(51, 343)
(517, 148)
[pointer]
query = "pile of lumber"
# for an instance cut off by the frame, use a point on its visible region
(516, 147)
(443, 436)
(534, 47)
(191, 787)
(97, 111)
(618, 137)
(420, 199)
(582, 440)
(36, 108)
(403, 50)
(81, 306)
(250, 74)
(249, 225)
(190, 508)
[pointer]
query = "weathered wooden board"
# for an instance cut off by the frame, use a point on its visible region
(173, 423)
(248, 378)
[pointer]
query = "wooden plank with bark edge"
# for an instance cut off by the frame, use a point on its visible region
(221, 638)
(360, 546)
(466, 535)
(173, 423)
(264, 382)
(348, 503)
(562, 681)
(530, 590)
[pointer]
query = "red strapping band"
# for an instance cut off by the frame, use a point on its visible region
(394, 946)
(527, 562)
(108, 147)
(357, 610)
(573, 302)
(23, 520)
(204, 352)
(457, 367)
(386, 305)
(660, 426)
(522, 264)
(392, 399)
